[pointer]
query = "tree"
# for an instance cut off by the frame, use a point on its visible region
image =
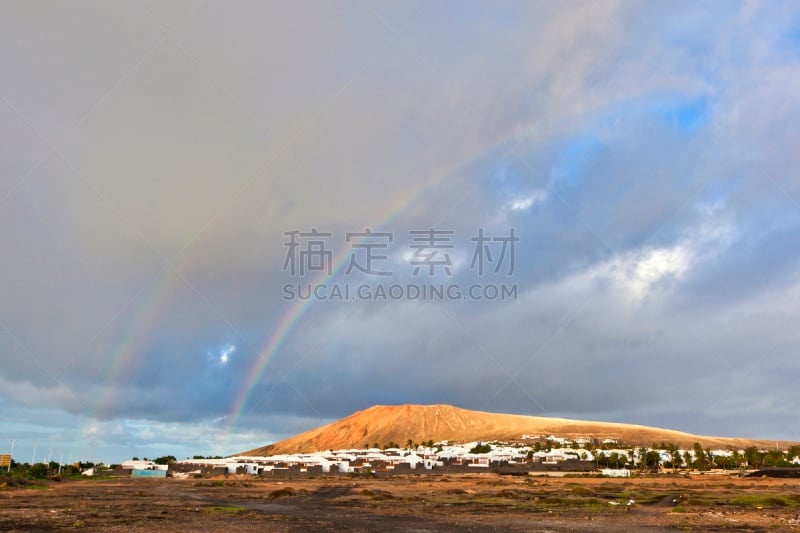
(642, 458)
(651, 460)
(39, 471)
(71, 470)
(725, 462)
(792, 452)
(737, 458)
(481, 448)
(677, 460)
(774, 458)
(753, 457)
(166, 460)
(699, 457)
(614, 458)
(601, 459)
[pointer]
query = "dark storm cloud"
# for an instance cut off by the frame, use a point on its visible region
(153, 156)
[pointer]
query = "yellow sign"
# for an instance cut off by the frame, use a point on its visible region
(5, 460)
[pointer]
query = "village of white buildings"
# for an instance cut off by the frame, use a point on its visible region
(530, 454)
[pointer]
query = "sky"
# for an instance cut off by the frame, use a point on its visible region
(164, 165)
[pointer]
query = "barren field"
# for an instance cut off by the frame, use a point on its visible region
(473, 502)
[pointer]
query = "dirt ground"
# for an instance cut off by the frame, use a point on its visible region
(469, 502)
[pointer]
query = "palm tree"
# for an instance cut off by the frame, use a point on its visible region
(699, 457)
(676, 457)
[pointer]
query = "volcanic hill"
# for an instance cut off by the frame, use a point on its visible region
(398, 423)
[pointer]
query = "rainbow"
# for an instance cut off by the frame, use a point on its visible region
(292, 317)
(145, 319)
(288, 322)
(147, 311)
(295, 313)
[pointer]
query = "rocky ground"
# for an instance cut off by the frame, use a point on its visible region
(471, 502)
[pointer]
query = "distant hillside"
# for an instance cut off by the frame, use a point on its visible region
(420, 423)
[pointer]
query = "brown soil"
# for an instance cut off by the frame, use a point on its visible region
(419, 423)
(472, 502)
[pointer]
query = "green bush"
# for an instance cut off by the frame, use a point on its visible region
(39, 471)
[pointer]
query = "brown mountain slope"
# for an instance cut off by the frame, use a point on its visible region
(398, 423)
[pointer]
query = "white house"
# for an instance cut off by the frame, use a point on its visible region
(142, 465)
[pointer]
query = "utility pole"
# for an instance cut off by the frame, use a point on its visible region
(60, 462)
(12, 453)
(33, 458)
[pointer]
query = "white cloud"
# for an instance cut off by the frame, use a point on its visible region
(639, 272)
(224, 356)
(525, 202)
